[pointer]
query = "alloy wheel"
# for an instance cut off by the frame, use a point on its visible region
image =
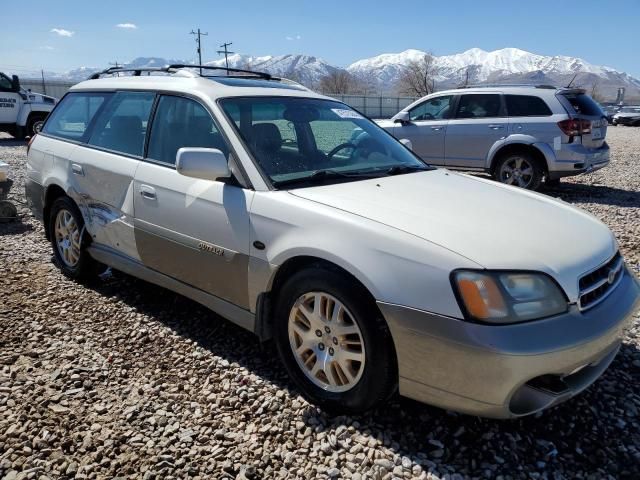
(67, 236)
(326, 341)
(517, 171)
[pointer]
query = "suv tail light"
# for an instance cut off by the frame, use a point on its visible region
(33, 137)
(575, 127)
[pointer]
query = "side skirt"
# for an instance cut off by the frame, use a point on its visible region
(231, 312)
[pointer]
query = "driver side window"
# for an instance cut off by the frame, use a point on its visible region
(432, 109)
(5, 84)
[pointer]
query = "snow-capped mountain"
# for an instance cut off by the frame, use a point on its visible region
(508, 65)
(305, 69)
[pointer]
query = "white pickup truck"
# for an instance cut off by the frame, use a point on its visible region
(22, 112)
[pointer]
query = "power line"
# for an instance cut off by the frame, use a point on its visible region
(226, 53)
(199, 33)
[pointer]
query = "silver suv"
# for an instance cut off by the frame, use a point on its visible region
(297, 218)
(519, 134)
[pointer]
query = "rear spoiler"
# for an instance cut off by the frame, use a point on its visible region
(571, 91)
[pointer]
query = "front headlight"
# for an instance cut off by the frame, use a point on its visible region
(507, 297)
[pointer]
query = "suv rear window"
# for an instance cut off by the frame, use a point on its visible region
(526, 106)
(73, 114)
(583, 104)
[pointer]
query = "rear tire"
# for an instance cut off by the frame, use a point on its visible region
(334, 342)
(34, 124)
(69, 241)
(519, 169)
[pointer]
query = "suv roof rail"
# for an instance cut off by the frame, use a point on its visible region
(177, 66)
(264, 75)
(136, 71)
(494, 85)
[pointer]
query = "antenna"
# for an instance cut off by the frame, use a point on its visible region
(115, 64)
(574, 77)
(226, 53)
(199, 33)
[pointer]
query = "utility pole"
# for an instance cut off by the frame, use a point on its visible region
(199, 33)
(226, 53)
(44, 88)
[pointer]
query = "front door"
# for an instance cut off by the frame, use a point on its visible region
(10, 101)
(480, 122)
(196, 231)
(427, 128)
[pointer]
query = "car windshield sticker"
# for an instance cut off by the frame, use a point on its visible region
(344, 113)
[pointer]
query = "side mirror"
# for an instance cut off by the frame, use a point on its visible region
(203, 163)
(407, 143)
(402, 117)
(15, 83)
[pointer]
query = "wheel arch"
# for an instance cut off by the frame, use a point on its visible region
(518, 146)
(266, 300)
(52, 192)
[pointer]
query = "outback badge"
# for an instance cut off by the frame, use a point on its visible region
(207, 247)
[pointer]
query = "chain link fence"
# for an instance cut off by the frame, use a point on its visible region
(370, 105)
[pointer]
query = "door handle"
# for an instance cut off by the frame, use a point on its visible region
(437, 128)
(77, 169)
(148, 192)
(494, 126)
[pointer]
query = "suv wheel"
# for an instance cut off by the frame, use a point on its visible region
(519, 169)
(66, 228)
(335, 345)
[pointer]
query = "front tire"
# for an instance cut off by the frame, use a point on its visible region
(520, 169)
(334, 342)
(69, 240)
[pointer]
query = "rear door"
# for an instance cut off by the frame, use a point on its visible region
(480, 121)
(193, 230)
(427, 128)
(530, 115)
(581, 106)
(103, 169)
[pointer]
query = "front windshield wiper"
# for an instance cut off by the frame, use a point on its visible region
(400, 169)
(321, 175)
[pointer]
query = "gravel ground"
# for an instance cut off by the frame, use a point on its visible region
(127, 380)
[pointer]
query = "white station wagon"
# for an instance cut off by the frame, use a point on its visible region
(295, 217)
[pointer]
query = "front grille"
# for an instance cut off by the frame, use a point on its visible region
(596, 285)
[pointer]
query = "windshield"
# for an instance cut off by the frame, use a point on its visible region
(303, 140)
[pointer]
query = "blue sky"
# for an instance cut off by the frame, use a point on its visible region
(602, 32)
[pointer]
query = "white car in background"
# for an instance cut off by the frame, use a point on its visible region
(629, 115)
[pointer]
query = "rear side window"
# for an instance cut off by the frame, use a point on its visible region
(526, 106)
(181, 122)
(484, 105)
(122, 124)
(72, 116)
(583, 104)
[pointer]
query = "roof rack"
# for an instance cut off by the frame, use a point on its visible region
(264, 75)
(177, 66)
(494, 85)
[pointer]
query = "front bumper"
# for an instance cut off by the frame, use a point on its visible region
(509, 370)
(574, 159)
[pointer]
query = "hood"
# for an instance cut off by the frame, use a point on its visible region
(494, 225)
(627, 114)
(385, 123)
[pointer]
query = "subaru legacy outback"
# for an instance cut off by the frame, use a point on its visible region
(519, 134)
(295, 217)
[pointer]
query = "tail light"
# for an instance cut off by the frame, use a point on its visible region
(575, 127)
(33, 137)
